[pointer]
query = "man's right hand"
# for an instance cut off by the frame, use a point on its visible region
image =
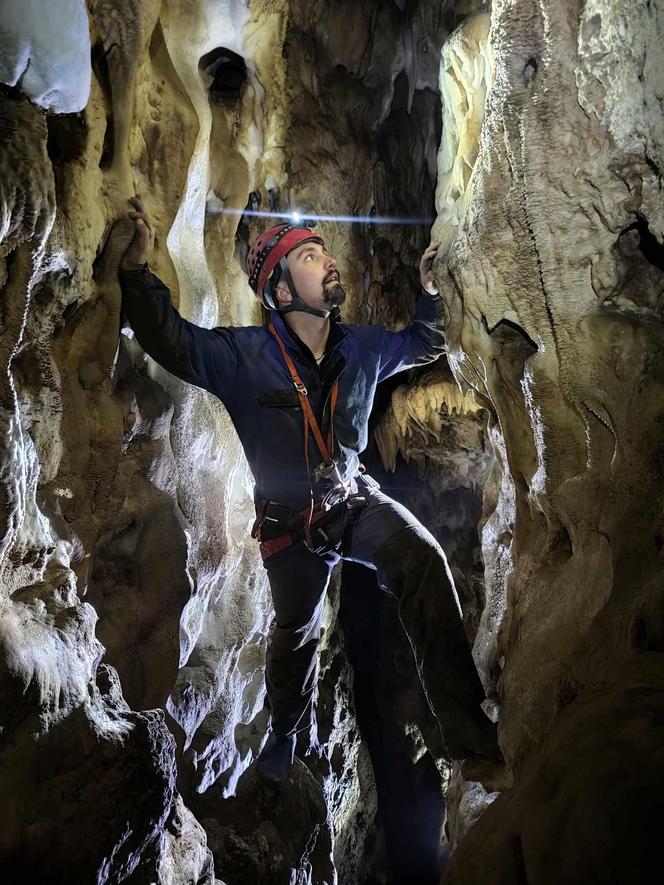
(141, 246)
(426, 269)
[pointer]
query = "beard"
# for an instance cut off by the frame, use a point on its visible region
(334, 294)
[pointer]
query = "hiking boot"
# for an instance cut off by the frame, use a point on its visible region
(276, 758)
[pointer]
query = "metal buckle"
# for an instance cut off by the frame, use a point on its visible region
(300, 388)
(328, 471)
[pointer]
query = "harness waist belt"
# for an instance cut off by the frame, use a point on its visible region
(268, 548)
(271, 513)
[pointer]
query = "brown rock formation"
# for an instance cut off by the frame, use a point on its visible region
(133, 608)
(554, 277)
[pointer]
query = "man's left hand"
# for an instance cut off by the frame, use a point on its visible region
(426, 271)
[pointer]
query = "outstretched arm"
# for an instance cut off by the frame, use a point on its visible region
(423, 340)
(204, 357)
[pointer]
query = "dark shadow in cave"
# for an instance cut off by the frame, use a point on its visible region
(228, 71)
(649, 246)
(102, 73)
(411, 808)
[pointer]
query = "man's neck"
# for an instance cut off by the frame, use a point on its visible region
(312, 330)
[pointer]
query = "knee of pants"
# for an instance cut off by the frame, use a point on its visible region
(418, 576)
(292, 638)
(411, 556)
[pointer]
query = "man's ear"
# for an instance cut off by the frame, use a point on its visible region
(283, 293)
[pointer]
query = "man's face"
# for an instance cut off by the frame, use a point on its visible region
(315, 276)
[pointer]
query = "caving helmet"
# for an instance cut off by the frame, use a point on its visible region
(267, 254)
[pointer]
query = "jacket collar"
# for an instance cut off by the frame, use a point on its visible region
(293, 341)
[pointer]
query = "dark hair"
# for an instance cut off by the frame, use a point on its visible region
(273, 282)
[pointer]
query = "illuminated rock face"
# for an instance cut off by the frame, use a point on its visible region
(125, 500)
(466, 75)
(45, 49)
(554, 266)
(120, 486)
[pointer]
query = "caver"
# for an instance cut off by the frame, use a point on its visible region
(299, 391)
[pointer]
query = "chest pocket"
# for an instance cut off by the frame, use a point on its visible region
(280, 398)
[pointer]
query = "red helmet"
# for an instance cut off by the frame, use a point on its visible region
(266, 252)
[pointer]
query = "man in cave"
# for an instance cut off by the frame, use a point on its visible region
(299, 391)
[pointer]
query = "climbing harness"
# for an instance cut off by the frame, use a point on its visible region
(323, 522)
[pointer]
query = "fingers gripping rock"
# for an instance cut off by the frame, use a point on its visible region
(118, 241)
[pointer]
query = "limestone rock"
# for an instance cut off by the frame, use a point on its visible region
(575, 785)
(263, 835)
(466, 74)
(182, 856)
(110, 773)
(45, 49)
(553, 280)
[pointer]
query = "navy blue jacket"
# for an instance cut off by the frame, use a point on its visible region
(243, 366)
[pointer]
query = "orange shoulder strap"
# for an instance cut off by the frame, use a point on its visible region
(325, 448)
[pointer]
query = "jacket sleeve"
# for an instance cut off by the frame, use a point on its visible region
(207, 358)
(421, 342)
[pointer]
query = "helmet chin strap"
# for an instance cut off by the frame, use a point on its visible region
(297, 303)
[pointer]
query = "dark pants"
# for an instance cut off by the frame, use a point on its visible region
(411, 565)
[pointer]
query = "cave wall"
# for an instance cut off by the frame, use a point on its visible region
(554, 277)
(134, 608)
(126, 498)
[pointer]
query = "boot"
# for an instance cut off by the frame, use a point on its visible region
(276, 758)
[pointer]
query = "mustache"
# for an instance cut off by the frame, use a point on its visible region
(332, 277)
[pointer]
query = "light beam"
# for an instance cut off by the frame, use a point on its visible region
(299, 217)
